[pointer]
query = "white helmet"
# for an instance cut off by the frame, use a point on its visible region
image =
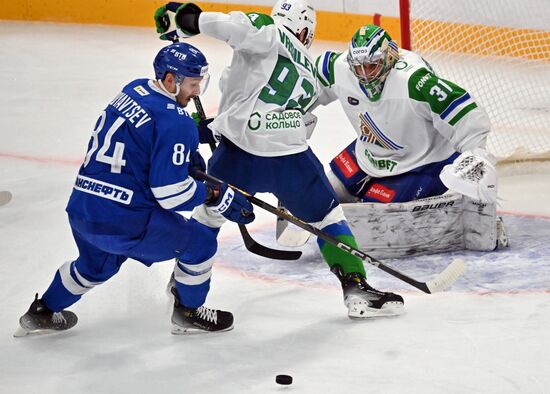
(295, 15)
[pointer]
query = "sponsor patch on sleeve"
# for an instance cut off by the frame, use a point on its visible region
(381, 193)
(346, 164)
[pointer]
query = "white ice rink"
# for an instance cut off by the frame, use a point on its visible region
(490, 333)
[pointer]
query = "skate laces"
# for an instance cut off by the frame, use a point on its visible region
(207, 314)
(58, 318)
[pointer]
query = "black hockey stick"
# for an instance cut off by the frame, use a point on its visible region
(249, 242)
(443, 280)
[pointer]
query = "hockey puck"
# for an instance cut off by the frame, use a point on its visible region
(283, 379)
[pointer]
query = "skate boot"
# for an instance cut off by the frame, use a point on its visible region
(363, 301)
(502, 236)
(201, 320)
(40, 320)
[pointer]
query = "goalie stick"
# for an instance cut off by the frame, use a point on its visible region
(443, 280)
(249, 242)
(5, 197)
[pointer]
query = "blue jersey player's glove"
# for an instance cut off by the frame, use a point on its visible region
(174, 20)
(232, 204)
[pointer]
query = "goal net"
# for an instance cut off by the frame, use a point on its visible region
(498, 50)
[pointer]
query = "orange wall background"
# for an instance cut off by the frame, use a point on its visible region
(330, 25)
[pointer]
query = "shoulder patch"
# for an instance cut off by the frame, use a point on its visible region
(259, 20)
(141, 90)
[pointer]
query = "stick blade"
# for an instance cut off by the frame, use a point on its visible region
(449, 276)
(264, 251)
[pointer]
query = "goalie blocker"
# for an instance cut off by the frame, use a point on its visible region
(432, 225)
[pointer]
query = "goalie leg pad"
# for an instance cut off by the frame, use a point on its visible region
(480, 225)
(432, 225)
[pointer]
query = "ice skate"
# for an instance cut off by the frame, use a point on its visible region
(363, 301)
(186, 321)
(40, 320)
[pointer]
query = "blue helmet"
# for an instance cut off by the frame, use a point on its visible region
(182, 60)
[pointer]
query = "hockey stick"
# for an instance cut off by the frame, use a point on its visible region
(5, 197)
(443, 280)
(249, 242)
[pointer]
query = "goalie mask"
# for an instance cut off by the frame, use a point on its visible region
(182, 60)
(296, 15)
(371, 56)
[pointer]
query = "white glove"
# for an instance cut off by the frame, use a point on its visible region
(473, 174)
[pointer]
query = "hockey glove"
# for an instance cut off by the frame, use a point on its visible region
(473, 174)
(232, 204)
(196, 163)
(205, 134)
(175, 20)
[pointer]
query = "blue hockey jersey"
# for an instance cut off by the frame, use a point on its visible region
(137, 159)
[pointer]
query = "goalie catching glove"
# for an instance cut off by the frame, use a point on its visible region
(177, 20)
(230, 203)
(472, 174)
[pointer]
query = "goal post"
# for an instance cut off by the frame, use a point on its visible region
(498, 50)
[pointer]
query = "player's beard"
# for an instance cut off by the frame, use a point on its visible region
(183, 100)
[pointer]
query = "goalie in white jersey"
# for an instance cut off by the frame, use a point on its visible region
(266, 93)
(418, 136)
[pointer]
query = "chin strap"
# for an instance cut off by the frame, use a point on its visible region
(173, 95)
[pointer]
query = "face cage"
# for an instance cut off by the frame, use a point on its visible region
(352, 63)
(373, 89)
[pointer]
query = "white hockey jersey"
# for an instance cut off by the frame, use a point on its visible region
(267, 88)
(419, 119)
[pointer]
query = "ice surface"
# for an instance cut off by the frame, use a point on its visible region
(488, 334)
